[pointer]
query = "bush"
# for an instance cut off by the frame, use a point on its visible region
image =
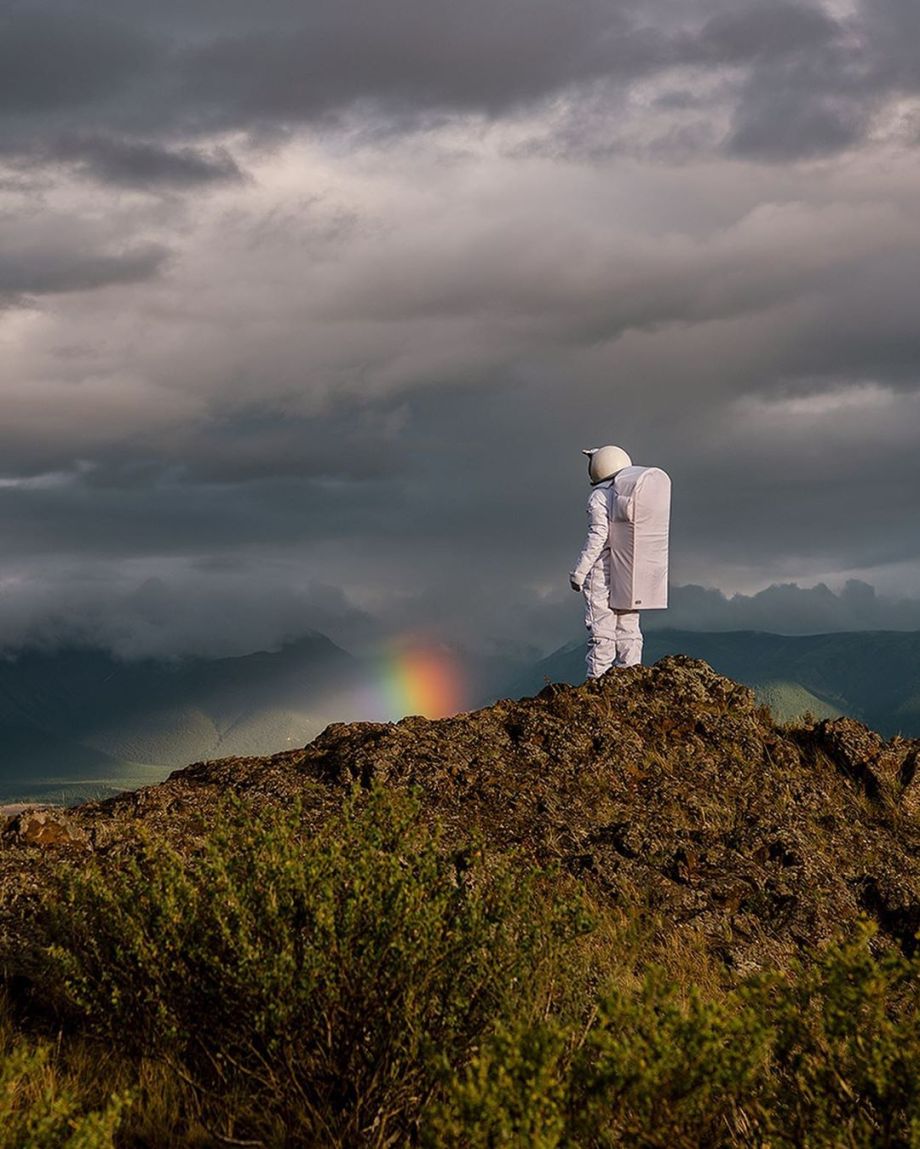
(325, 986)
(649, 1070)
(40, 1109)
(368, 986)
(845, 1050)
(821, 1060)
(663, 1068)
(511, 1094)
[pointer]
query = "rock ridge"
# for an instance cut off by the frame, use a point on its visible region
(666, 789)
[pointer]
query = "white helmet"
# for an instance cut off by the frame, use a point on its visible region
(604, 462)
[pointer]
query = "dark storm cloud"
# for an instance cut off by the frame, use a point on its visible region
(355, 442)
(415, 55)
(53, 57)
(800, 81)
(748, 32)
(872, 316)
(41, 270)
(815, 83)
(168, 516)
(814, 93)
(197, 68)
(143, 165)
(892, 29)
(786, 126)
(862, 516)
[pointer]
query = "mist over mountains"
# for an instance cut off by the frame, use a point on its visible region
(222, 610)
(788, 608)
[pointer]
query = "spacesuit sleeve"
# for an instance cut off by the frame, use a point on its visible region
(598, 530)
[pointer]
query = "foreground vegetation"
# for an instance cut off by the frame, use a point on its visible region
(368, 985)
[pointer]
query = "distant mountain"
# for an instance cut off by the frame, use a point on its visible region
(873, 675)
(80, 723)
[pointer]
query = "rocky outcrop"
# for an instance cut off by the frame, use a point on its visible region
(43, 828)
(666, 789)
(886, 770)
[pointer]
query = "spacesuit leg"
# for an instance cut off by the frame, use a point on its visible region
(600, 620)
(628, 638)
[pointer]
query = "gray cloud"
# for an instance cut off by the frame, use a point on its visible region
(820, 92)
(470, 240)
(414, 57)
(40, 270)
(750, 32)
(53, 58)
(791, 609)
(799, 79)
(136, 164)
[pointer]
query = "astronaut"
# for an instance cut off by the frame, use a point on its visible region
(623, 565)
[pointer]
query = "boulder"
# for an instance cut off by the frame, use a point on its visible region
(41, 828)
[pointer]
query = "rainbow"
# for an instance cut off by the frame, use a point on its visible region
(415, 679)
(424, 681)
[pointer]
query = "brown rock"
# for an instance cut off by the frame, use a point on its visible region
(41, 828)
(886, 770)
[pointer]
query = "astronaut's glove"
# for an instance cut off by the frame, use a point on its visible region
(575, 584)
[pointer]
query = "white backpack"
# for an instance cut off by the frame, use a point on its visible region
(640, 513)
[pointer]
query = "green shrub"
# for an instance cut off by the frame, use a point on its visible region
(325, 984)
(39, 1111)
(845, 1056)
(369, 986)
(648, 1070)
(663, 1068)
(824, 1059)
(511, 1094)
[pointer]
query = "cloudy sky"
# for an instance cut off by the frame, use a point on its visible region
(307, 309)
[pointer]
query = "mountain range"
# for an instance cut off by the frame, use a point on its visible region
(76, 724)
(80, 723)
(870, 675)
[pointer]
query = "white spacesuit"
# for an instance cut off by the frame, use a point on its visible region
(624, 563)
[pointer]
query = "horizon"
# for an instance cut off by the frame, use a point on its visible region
(784, 610)
(82, 724)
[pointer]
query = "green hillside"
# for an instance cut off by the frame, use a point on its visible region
(77, 724)
(873, 676)
(789, 701)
